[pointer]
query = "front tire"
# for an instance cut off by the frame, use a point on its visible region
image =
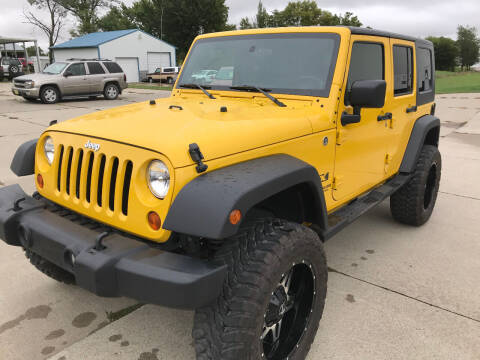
(49, 95)
(111, 91)
(413, 203)
(273, 298)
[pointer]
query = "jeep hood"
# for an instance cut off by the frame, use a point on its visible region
(247, 124)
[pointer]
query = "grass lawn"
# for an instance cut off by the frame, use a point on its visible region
(446, 83)
(457, 82)
(154, 86)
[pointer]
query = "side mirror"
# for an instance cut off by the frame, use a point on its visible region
(365, 94)
(67, 74)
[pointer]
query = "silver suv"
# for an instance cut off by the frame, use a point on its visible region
(10, 68)
(73, 78)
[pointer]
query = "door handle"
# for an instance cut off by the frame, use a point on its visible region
(412, 109)
(387, 116)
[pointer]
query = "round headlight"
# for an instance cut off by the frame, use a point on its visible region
(49, 149)
(158, 178)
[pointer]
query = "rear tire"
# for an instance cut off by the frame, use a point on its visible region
(413, 203)
(111, 91)
(49, 95)
(50, 269)
(260, 314)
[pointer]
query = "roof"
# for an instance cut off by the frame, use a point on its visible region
(5, 40)
(93, 39)
(374, 32)
(9, 46)
(293, 29)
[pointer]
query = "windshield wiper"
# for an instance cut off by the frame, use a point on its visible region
(260, 90)
(196, 86)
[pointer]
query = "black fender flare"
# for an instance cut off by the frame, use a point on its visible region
(423, 126)
(202, 207)
(23, 162)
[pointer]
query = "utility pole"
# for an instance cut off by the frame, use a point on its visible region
(161, 21)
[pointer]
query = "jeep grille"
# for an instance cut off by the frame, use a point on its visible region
(107, 182)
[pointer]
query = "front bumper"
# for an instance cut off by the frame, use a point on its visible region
(33, 92)
(125, 267)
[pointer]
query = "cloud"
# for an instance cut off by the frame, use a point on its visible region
(411, 17)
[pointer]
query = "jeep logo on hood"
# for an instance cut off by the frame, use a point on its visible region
(90, 145)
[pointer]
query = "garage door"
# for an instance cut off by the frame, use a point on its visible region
(158, 60)
(130, 68)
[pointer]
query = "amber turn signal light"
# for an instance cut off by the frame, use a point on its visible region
(40, 181)
(154, 220)
(235, 217)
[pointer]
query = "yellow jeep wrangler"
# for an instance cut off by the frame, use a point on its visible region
(220, 197)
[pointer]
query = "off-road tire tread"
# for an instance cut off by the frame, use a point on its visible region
(220, 330)
(404, 203)
(50, 269)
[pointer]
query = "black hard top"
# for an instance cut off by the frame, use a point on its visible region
(374, 32)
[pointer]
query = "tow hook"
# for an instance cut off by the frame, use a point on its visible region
(16, 204)
(99, 241)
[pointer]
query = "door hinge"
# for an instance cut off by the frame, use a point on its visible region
(341, 137)
(388, 159)
(337, 182)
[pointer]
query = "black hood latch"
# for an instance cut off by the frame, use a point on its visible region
(197, 156)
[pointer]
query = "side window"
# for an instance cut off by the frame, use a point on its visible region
(113, 68)
(95, 68)
(77, 69)
(367, 63)
(403, 70)
(425, 70)
(6, 61)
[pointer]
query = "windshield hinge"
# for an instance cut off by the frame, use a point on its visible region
(197, 156)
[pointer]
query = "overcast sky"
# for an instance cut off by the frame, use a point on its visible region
(411, 17)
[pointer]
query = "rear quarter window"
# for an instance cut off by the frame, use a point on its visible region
(113, 67)
(95, 68)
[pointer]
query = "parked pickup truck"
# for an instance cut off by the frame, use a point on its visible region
(164, 74)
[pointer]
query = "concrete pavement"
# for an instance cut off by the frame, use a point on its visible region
(38, 316)
(395, 292)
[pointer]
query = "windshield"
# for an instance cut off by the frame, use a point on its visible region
(301, 64)
(55, 68)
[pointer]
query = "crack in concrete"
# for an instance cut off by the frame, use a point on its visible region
(463, 196)
(404, 295)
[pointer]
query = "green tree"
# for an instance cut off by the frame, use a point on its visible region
(31, 51)
(86, 12)
(468, 45)
(446, 53)
(299, 13)
(180, 21)
(262, 18)
(246, 24)
(348, 19)
(52, 27)
(117, 18)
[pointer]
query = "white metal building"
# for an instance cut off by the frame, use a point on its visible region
(135, 51)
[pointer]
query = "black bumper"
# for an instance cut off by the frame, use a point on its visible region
(126, 267)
